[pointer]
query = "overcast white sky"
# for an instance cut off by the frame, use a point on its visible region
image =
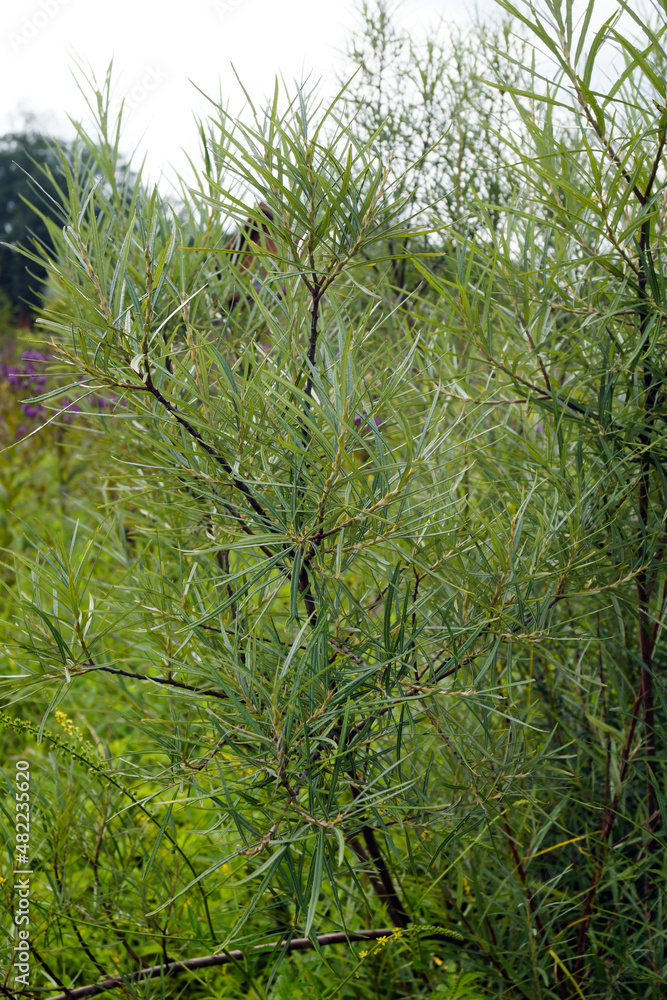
(159, 46)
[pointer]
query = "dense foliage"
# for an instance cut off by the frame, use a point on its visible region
(343, 675)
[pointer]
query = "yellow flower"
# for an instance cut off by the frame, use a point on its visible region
(67, 724)
(362, 954)
(438, 961)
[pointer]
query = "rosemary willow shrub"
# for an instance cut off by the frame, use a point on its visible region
(268, 641)
(376, 653)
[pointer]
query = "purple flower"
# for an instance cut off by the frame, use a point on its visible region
(32, 409)
(68, 409)
(358, 419)
(27, 375)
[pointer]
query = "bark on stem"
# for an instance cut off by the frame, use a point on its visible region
(211, 961)
(312, 344)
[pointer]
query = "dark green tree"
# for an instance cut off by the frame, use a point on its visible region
(30, 168)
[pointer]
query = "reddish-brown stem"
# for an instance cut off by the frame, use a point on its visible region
(642, 581)
(382, 883)
(608, 817)
(312, 344)
(521, 872)
(209, 692)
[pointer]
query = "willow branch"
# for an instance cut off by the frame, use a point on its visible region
(211, 692)
(211, 961)
(240, 485)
